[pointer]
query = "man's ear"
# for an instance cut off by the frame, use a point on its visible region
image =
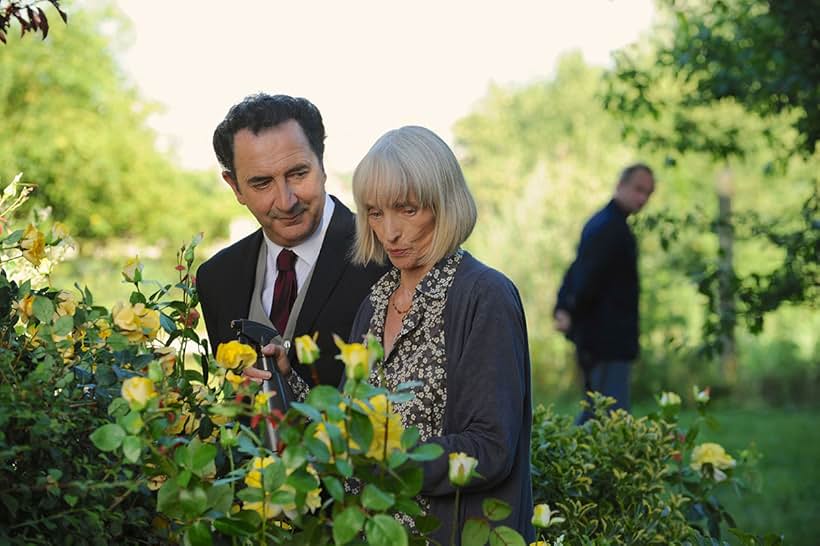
(231, 181)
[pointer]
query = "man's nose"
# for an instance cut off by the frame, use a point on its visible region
(285, 198)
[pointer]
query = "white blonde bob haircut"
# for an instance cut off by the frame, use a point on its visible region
(412, 164)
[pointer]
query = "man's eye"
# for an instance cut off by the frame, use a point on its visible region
(410, 210)
(299, 174)
(374, 213)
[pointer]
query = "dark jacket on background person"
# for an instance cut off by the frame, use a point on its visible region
(225, 285)
(488, 412)
(600, 289)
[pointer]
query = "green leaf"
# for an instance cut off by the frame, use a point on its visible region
(234, 527)
(384, 530)
(43, 309)
(410, 437)
(70, 500)
(397, 458)
(199, 534)
(307, 410)
(334, 487)
(374, 498)
(132, 448)
(361, 430)
(108, 437)
(476, 532)
(426, 452)
(194, 501)
(407, 506)
(302, 481)
(347, 524)
(220, 498)
(344, 467)
(412, 478)
(132, 422)
(505, 536)
(168, 498)
(273, 475)
(324, 396)
(294, 456)
(63, 326)
(202, 455)
(495, 509)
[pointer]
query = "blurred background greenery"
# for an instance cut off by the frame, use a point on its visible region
(721, 99)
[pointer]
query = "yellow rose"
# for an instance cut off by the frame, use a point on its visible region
(266, 509)
(124, 317)
(234, 355)
(254, 477)
(149, 321)
(307, 352)
(234, 379)
(461, 469)
(24, 308)
(33, 245)
(104, 328)
(132, 270)
(355, 358)
(260, 402)
(387, 427)
(66, 304)
(714, 455)
(542, 516)
(137, 391)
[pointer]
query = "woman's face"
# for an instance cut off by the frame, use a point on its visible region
(405, 230)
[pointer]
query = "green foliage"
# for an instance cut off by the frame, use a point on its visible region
(80, 134)
(625, 480)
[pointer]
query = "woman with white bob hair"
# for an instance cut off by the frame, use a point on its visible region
(448, 321)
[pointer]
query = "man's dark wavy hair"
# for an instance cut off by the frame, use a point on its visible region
(262, 111)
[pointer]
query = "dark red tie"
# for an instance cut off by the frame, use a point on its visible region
(284, 289)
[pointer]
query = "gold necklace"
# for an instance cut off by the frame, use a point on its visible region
(396, 307)
(399, 311)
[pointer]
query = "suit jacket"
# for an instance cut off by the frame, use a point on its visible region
(225, 284)
(600, 289)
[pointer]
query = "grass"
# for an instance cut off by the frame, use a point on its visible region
(787, 501)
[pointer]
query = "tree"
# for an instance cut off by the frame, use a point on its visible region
(696, 89)
(80, 134)
(28, 15)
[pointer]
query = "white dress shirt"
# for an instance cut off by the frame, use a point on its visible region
(307, 252)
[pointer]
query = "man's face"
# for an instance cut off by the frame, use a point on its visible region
(633, 193)
(280, 180)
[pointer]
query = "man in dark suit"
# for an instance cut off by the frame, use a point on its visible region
(294, 272)
(597, 305)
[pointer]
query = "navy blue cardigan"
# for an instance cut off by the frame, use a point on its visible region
(489, 407)
(600, 289)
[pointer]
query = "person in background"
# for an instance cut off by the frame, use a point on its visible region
(597, 304)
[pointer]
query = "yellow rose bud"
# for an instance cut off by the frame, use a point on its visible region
(137, 391)
(266, 509)
(306, 349)
(462, 467)
(33, 245)
(132, 270)
(355, 358)
(669, 399)
(234, 379)
(234, 355)
(542, 516)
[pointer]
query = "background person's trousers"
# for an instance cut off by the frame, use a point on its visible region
(610, 378)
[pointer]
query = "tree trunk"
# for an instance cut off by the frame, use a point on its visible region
(727, 282)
